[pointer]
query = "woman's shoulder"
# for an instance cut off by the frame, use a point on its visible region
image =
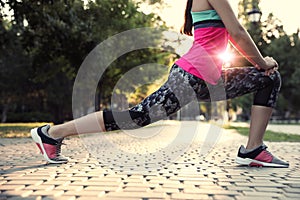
(201, 5)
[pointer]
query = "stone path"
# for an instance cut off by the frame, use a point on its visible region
(174, 161)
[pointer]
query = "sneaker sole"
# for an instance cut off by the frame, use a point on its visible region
(256, 163)
(38, 140)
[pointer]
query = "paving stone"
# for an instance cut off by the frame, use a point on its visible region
(60, 198)
(116, 198)
(222, 184)
(291, 195)
(22, 193)
(54, 193)
(87, 193)
(2, 182)
(292, 190)
(196, 190)
(39, 187)
(267, 184)
(141, 195)
(134, 184)
(168, 191)
(200, 183)
(190, 196)
(56, 182)
(104, 188)
(222, 197)
(261, 194)
(219, 192)
(95, 183)
(253, 197)
(268, 189)
(11, 187)
(17, 182)
(211, 187)
(284, 182)
(21, 198)
(72, 178)
(240, 188)
(69, 187)
(211, 176)
(294, 185)
(173, 185)
(135, 189)
(27, 178)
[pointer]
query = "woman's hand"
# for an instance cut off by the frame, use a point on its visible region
(270, 65)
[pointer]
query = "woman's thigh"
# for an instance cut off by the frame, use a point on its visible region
(244, 80)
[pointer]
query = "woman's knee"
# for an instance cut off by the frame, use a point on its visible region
(276, 77)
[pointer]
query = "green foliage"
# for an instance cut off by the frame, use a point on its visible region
(44, 43)
(286, 51)
(17, 130)
(143, 74)
(28, 116)
(245, 102)
(272, 40)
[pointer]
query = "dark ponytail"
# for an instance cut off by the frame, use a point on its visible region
(188, 21)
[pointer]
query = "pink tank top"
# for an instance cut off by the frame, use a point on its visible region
(210, 40)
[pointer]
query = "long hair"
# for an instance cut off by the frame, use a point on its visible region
(188, 21)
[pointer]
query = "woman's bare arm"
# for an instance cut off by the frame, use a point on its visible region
(239, 37)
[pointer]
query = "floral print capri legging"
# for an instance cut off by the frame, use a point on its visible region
(182, 87)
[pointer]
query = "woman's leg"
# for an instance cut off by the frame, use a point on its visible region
(168, 99)
(175, 93)
(266, 88)
(49, 139)
(239, 81)
(260, 116)
(91, 123)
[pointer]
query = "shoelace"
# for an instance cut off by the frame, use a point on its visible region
(268, 152)
(58, 148)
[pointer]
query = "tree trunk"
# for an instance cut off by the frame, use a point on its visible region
(4, 113)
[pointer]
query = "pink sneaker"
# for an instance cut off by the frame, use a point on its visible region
(260, 157)
(49, 147)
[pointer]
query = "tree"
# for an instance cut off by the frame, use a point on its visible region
(45, 31)
(272, 40)
(286, 51)
(13, 73)
(255, 31)
(54, 37)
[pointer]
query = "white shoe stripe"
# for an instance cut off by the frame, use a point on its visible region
(248, 161)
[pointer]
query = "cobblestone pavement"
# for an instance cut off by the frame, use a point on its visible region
(117, 173)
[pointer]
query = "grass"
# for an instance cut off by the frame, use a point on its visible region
(270, 136)
(21, 130)
(17, 130)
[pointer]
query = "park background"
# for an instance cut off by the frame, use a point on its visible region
(43, 44)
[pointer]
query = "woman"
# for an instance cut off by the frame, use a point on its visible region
(214, 25)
